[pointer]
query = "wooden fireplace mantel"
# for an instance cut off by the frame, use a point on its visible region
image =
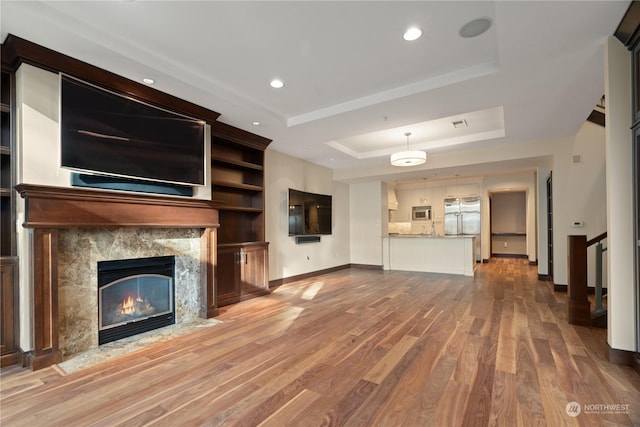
(55, 207)
(48, 209)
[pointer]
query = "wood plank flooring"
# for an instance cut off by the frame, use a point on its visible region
(355, 348)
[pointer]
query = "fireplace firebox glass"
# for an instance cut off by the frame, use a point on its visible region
(134, 296)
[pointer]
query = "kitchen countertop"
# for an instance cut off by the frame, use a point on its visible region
(428, 236)
(448, 254)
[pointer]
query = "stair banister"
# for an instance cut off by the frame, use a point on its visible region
(578, 306)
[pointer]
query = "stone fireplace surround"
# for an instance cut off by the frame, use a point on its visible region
(62, 221)
(79, 252)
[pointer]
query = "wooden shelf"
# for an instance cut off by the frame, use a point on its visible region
(237, 163)
(509, 234)
(5, 108)
(237, 178)
(240, 209)
(5, 192)
(5, 151)
(237, 185)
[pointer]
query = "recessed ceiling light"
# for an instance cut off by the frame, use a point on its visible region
(475, 28)
(277, 84)
(412, 33)
(256, 123)
(148, 81)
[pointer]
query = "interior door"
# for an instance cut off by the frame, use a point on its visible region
(636, 184)
(550, 226)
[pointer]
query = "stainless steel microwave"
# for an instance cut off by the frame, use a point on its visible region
(421, 213)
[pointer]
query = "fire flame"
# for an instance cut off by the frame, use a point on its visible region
(129, 305)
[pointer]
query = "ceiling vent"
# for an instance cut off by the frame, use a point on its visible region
(458, 124)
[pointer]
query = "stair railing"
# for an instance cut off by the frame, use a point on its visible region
(598, 285)
(578, 305)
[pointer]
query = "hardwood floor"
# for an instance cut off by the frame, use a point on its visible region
(359, 348)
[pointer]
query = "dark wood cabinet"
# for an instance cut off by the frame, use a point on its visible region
(227, 276)
(9, 312)
(242, 272)
(237, 178)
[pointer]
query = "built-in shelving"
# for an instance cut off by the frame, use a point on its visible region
(7, 202)
(8, 259)
(236, 163)
(237, 179)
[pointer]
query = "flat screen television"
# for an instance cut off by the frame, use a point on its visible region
(106, 133)
(309, 213)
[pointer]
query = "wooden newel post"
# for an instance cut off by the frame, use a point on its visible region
(578, 306)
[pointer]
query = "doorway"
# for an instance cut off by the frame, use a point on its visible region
(509, 224)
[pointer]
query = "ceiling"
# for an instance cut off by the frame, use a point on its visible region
(352, 86)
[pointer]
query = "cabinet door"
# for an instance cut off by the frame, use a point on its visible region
(254, 277)
(468, 190)
(437, 202)
(404, 205)
(228, 276)
(421, 197)
(451, 191)
(461, 190)
(8, 306)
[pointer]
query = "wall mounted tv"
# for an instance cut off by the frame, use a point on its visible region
(106, 133)
(309, 213)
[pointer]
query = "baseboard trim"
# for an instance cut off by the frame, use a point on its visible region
(277, 282)
(510, 256)
(624, 357)
(545, 278)
(485, 261)
(564, 288)
(367, 266)
(12, 358)
(16, 357)
(535, 262)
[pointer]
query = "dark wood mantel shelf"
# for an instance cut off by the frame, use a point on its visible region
(56, 207)
(48, 209)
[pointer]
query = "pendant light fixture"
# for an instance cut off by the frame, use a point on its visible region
(408, 157)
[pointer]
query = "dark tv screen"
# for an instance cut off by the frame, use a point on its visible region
(309, 213)
(110, 134)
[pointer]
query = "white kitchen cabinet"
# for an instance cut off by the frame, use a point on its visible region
(462, 190)
(421, 197)
(437, 202)
(404, 205)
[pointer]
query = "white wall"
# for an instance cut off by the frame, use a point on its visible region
(621, 297)
(286, 258)
(367, 203)
(579, 192)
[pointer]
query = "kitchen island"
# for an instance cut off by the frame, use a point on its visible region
(431, 254)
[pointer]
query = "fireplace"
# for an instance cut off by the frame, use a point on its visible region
(135, 296)
(47, 216)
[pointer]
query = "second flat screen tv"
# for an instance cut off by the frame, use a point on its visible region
(309, 213)
(106, 133)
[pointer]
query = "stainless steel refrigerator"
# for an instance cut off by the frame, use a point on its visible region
(462, 217)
